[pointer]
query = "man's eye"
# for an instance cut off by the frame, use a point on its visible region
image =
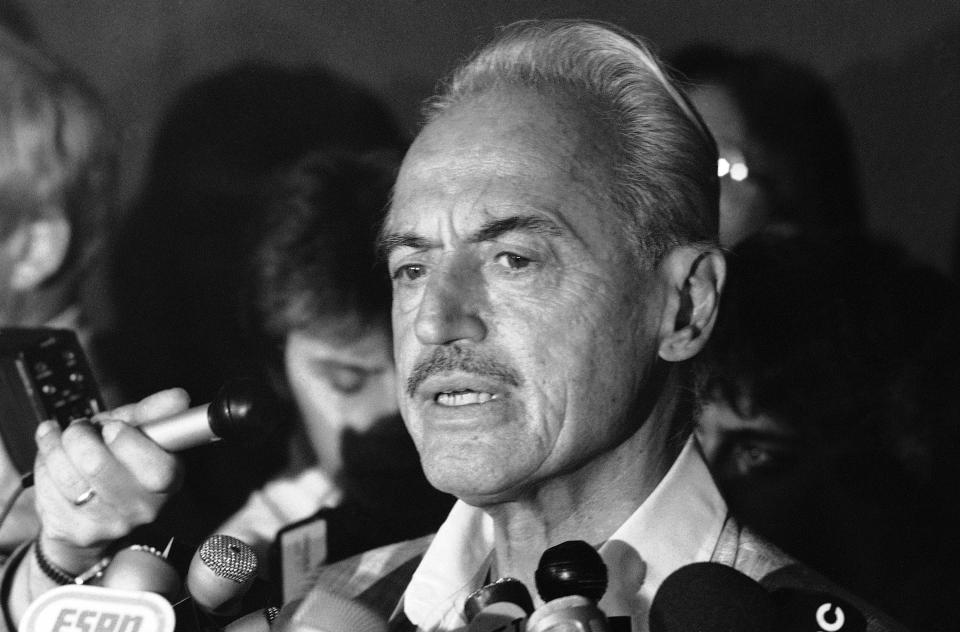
(512, 261)
(410, 272)
(755, 459)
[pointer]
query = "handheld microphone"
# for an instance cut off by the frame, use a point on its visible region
(571, 568)
(87, 608)
(711, 597)
(814, 611)
(241, 409)
(220, 574)
(142, 568)
(571, 577)
(497, 606)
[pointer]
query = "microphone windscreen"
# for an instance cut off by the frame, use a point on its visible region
(573, 613)
(496, 606)
(325, 611)
(139, 567)
(711, 597)
(220, 574)
(243, 409)
(571, 568)
(506, 589)
(805, 610)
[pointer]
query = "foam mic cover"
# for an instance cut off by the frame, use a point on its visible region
(812, 611)
(143, 568)
(571, 568)
(497, 605)
(325, 611)
(241, 409)
(571, 578)
(220, 574)
(711, 597)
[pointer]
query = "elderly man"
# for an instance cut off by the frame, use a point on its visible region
(551, 244)
(551, 247)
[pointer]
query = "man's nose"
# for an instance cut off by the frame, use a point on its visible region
(450, 308)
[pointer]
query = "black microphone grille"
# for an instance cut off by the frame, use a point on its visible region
(571, 568)
(243, 409)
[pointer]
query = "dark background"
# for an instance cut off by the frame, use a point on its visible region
(895, 66)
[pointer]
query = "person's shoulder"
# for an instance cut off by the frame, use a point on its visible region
(788, 579)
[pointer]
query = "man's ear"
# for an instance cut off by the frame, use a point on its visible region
(695, 276)
(42, 250)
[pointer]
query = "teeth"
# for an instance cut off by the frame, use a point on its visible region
(463, 398)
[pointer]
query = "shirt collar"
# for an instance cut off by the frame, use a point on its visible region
(679, 523)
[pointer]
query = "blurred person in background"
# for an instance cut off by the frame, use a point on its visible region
(785, 151)
(57, 184)
(829, 415)
(548, 427)
(322, 303)
(180, 270)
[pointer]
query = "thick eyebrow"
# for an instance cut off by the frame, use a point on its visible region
(523, 223)
(388, 242)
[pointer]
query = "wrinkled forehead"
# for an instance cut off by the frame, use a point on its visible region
(509, 145)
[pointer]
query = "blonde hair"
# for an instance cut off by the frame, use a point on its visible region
(56, 154)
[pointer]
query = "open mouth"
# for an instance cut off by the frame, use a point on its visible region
(463, 398)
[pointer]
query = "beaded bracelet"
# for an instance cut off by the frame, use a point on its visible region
(56, 574)
(60, 576)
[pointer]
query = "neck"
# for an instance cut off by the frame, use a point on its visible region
(591, 502)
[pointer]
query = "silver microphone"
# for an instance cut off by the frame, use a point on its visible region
(241, 408)
(220, 574)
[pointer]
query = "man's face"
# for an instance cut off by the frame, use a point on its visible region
(523, 323)
(345, 386)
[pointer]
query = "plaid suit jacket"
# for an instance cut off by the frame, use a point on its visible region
(377, 579)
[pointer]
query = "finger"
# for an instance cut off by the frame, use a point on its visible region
(156, 406)
(118, 490)
(59, 485)
(155, 470)
(53, 469)
(162, 404)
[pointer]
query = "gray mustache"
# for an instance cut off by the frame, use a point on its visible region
(460, 359)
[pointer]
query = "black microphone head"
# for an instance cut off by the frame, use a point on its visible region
(809, 610)
(571, 568)
(711, 597)
(243, 409)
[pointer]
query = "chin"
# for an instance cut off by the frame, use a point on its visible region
(479, 484)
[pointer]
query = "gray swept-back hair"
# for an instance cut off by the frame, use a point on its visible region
(664, 159)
